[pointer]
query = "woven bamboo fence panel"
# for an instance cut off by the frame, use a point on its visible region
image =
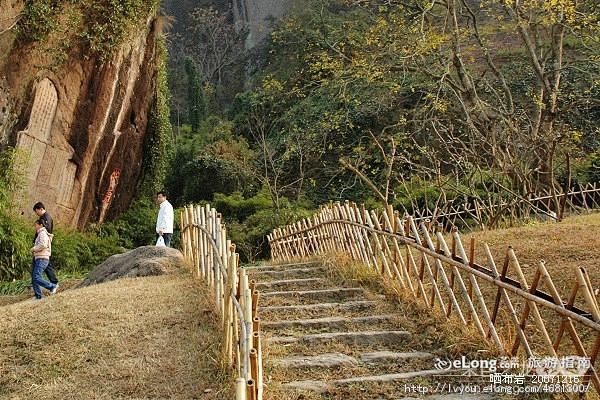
(519, 315)
(214, 260)
(477, 212)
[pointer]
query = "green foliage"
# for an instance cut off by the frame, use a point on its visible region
(96, 27)
(13, 288)
(159, 144)
(196, 98)
(15, 233)
(249, 220)
(16, 237)
(133, 228)
(78, 253)
(209, 161)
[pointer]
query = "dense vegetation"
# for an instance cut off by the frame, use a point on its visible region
(62, 28)
(402, 103)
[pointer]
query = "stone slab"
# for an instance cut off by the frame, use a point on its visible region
(347, 306)
(285, 273)
(338, 293)
(316, 386)
(326, 322)
(329, 360)
(360, 338)
(390, 377)
(390, 356)
(288, 282)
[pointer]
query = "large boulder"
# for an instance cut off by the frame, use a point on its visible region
(143, 261)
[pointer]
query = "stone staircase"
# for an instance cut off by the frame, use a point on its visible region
(325, 341)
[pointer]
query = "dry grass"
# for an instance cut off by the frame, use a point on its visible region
(574, 242)
(153, 337)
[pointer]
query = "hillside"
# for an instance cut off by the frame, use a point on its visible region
(149, 337)
(157, 337)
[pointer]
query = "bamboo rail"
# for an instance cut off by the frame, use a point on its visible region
(446, 278)
(214, 259)
(585, 199)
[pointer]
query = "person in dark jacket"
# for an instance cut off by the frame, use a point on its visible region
(40, 209)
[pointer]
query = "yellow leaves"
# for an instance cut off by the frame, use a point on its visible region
(272, 85)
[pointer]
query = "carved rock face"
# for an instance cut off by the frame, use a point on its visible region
(82, 126)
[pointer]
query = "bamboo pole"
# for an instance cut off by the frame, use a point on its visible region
(364, 255)
(378, 245)
(358, 214)
(411, 261)
(444, 277)
(587, 293)
(250, 389)
(502, 277)
(479, 295)
(511, 310)
(403, 267)
(258, 347)
(425, 262)
(567, 323)
(461, 284)
(386, 254)
(240, 389)
(531, 305)
(393, 255)
(249, 324)
(254, 365)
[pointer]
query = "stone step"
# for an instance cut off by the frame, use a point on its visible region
(365, 338)
(321, 386)
(381, 357)
(254, 268)
(286, 273)
(293, 283)
(390, 377)
(327, 322)
(347, 306)
(336, 360)
(333, 293)
(330, 360)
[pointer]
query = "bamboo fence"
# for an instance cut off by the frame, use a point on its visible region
(477, 212)
(214, 259)
(515, 314)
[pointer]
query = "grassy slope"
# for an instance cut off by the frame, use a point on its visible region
(149, 337)
(574, 242)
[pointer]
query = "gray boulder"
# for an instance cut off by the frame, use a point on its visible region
(143, 261)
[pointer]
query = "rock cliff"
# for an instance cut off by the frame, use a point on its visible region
(81, 123)
(257, 16)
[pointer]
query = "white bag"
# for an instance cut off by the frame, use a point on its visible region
(160, 241)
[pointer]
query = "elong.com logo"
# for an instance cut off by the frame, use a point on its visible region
(480, 365)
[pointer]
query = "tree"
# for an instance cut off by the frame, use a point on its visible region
(196, 100)
(480, 86)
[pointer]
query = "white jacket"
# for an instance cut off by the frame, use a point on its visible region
(165, 219)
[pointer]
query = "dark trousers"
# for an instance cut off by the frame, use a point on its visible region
(49, 271)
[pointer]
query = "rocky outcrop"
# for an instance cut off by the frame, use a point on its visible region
(256, 17)
(143, 261)
(81, 124)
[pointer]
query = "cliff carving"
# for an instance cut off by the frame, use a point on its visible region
(81, 125)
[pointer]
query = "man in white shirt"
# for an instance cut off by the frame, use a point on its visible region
(164, 222)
